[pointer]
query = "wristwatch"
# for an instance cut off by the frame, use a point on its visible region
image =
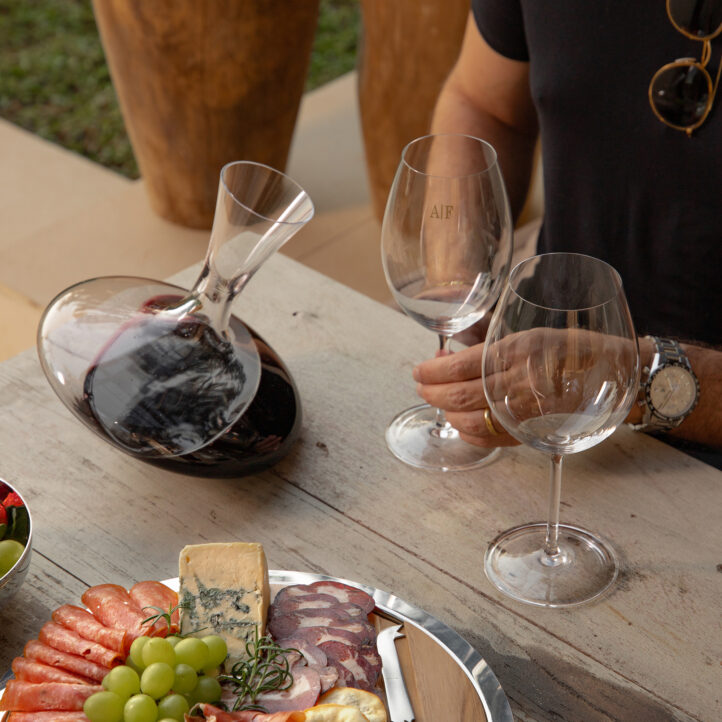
(669, 388)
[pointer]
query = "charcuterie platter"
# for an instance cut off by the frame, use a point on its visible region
(444, 676)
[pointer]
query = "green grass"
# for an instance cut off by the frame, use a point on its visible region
(54, 80)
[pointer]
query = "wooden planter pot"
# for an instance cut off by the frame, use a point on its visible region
(202, 83)
(408, 48)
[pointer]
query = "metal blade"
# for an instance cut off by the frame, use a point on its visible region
(400, 707)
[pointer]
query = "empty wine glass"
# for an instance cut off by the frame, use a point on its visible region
(560, 371)
(446, 245)
(160, 372)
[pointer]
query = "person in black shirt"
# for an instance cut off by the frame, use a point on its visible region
(620, 184)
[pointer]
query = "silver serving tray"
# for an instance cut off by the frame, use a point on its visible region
(484, 681)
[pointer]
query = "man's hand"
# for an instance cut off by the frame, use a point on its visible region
(453, 382)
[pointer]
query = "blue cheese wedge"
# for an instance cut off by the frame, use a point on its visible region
(224, 590)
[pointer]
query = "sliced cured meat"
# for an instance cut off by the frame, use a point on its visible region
(345, 593)
(31, 671)
(66, 640)
(350, 658)
(344, 678)
(53, 716)
(291, 604)
(151, 596)
(329, 677)
(371, 655)
(23, 696)
(303, 693)
(316, 635)
(113, 606)
(40, 652)
(285, 625)
(214, 714)
(311, 653)
(88, 627)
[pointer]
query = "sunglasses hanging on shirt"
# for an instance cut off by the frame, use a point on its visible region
(682, 93)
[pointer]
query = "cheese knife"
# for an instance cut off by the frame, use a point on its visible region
(397, 697)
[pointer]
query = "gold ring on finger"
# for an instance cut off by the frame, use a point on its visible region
(490, 423)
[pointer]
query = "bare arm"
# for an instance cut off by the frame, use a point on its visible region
(454, 384)
(487, 95)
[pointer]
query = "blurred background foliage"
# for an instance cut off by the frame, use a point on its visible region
(54, 80)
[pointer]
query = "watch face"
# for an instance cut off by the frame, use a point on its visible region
(672, 391)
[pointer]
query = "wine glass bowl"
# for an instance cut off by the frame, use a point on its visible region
(561, 371)
(160, 373)
(446, 245)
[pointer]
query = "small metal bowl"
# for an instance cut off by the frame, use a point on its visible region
(13, 579)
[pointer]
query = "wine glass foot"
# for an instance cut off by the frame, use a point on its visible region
(415, 438)
(517, 565)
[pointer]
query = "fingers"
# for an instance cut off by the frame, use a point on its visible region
(473, 429)
(460, 366)
(459, 396)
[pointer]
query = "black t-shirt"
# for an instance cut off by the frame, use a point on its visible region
(619, 184)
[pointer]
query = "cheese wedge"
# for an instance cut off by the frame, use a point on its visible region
(224, 590)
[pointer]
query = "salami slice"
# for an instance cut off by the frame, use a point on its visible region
(23, 696)
(113, 606)
(31, 671)
(88, 627)
(151, 596)
(53, 716)
(290, 604)
(71, 662)
(66, 640)
(316, 635)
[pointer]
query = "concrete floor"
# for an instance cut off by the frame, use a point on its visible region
(65, 219)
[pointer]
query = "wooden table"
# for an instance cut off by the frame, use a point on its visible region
(340, 504)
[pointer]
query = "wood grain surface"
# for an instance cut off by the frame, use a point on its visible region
(407, 49)
(340, 504)
(201, 84)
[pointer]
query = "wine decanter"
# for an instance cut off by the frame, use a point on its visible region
(164, 373)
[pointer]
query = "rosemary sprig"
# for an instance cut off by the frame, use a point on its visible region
(265, 670)
(162, 615)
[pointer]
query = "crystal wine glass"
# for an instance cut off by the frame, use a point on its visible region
(561, 371)
(446, 245)
(161, 372)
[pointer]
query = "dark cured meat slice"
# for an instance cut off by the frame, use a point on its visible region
(311, 653)
(31, 671)
(30, 697)
(342, 592)
(88, 627)
(53, 716)
(70, 662)
(112, 605)
(302, 694)
(66, 640)
(285, 625)
(371, 655)
(345, 593)
(154, 594)
(291, 604)
(317, 635)
(350, 658)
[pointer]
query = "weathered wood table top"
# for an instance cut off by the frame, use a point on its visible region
(340, 504)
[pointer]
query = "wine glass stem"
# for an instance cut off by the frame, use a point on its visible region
(552, 554)
(441, 422)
